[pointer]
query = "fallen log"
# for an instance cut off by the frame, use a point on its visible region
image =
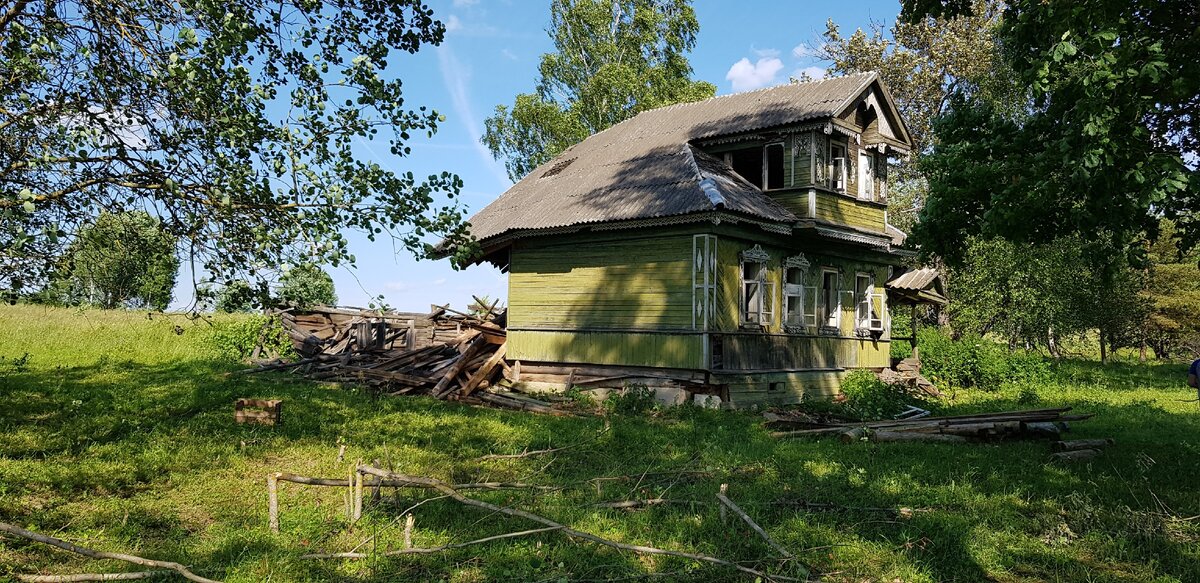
(62, 544)
(129, 576)
(895, 436)
(1074, 456)
(750, 521)
(1077, 444)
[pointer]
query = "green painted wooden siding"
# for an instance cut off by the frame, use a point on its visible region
(746, 390)
(615, 348)
(844, 210)
(642, 283)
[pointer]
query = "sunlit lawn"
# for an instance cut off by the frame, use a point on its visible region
(117, 433)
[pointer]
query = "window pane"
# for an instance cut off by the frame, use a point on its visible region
(793, 276)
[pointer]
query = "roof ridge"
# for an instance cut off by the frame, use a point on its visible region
(751, 92)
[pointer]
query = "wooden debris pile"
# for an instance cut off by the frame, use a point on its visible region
(446, 354)
(1035, 423)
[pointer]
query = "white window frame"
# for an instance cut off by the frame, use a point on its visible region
(866, 175)
(866, 315)
(837, 170)
(763, 312)
(833, 317)
(794, 295)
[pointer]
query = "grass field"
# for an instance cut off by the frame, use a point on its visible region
(116, 433)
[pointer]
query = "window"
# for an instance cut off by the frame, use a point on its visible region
(829, 305)
(795, 317)
(866, 175)
(869, 304)
(837, 166)
(773, 160)
(756, 290)
(749, 164)
(763, 167)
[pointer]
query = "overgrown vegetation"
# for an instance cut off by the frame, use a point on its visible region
(117, 432)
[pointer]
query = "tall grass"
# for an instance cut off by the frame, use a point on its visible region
(117, 432)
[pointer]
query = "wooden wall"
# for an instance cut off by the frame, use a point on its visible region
(680, 350)
(844, 210)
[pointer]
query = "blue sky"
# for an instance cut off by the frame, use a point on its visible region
(491, 53)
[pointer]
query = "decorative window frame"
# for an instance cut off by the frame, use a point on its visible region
(834, 314)
(797, 293)
(765, 309)
(766, 166)
(704, 281)
(864, 323)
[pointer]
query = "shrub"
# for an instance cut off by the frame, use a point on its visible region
(868, 398)
(976, 362)
(635, 399)
(235, 338)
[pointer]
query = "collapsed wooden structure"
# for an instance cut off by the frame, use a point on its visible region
(445, 354)
(1033, 423)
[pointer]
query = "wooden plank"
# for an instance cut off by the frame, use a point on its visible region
(484, 372)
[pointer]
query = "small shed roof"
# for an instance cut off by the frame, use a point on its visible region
(646, 168)
(918, 286)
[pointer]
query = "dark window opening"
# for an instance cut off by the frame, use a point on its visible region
(776, 386)
(774, 166)
(749, 164)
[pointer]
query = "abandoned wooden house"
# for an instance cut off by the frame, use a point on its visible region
(737, 246)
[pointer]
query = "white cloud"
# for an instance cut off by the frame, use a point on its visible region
(746, 76)
(803, 51)
(508, 54)
(465, 3)
(814, 72)
(455, 78)
(766, 53)
(453, 23)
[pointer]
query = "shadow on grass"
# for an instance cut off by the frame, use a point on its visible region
(80, 437)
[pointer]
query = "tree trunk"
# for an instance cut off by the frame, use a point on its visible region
(1103, 352)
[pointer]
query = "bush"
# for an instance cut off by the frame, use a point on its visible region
(235, 338)
(870, 399)
(634, 400)
(975, 362)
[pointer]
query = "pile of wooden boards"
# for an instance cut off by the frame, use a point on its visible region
(1035, 423)
(445, 354)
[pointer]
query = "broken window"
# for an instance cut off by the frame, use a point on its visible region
(837, 166)
(829, 305)
(773, 159)
(756, 290)
(749, 164)
(869, 304)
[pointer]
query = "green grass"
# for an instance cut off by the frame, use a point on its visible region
(117, 433)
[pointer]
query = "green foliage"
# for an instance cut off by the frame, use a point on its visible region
(122, 260)
(305, 286)
(921, 62)
(870, 399)
(975, 362)
(236, 297)
(635, 399)
(1100, 150)
(237, 121)
(234, 339)
(611, 60)
(1172, 290)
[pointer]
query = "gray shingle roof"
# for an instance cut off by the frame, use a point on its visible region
(645, 167)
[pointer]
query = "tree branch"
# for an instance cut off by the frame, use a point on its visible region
(49, 540)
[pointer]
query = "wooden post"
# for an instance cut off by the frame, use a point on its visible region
(913, 341)
(350, 494)
(409, 521)
(273, 502)
(358, 494)
(724, 491)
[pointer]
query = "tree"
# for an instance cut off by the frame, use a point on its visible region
(237, 121)
(612, 59)
(237, 296)
(1173, 292)
(922, 63)
(306, 285)
(1099, 151)
(122, 260)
